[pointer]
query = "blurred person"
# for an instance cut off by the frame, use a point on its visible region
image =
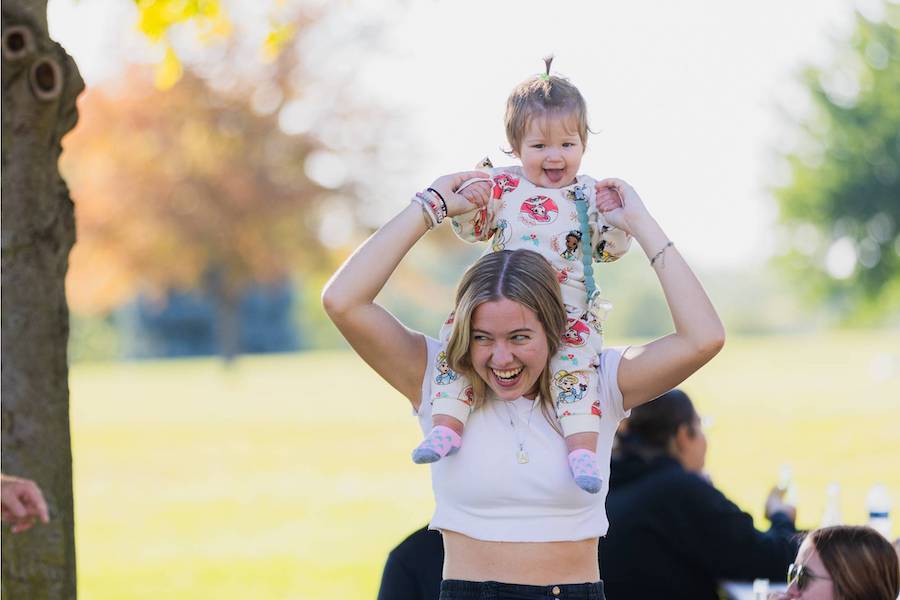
(413, 568)
(514, 527)
(545, 205)
(672, 533)
(844, 562)
(22, 503)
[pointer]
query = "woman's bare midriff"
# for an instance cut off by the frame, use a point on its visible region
(530, 563)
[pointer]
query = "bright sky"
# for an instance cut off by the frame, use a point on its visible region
(685, 95)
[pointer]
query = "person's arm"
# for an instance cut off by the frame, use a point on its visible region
(22, 503)
(395, 352)
(651, 369)
(729, 545)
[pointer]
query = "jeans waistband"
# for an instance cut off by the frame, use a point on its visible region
(457, 589)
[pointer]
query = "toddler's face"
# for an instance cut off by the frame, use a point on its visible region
(551, 151)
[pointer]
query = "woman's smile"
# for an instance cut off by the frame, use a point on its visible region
(509, 348)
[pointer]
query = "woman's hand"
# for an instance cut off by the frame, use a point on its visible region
(476, 195)
(619, 204)
(775, 503)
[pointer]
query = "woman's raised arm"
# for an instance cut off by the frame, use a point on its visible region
(654, 368)
(396, 353)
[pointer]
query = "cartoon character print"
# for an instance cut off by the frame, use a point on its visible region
(577, 333)
(601, 253)
(595, 408)
(572, 389)
(501, 236)
(566, 244)
(503, 183)
(598, 308)
(562, 275)
(479, 222)
(538, 210)
(467, 396)
(450, 318)
(578, 193)
(445, 373)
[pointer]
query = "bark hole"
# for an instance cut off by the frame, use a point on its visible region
(46, 79)
(17, 42)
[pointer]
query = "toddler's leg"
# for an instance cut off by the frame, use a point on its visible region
(583, 461)
(575, 383)
(444, 439)
(450, 402)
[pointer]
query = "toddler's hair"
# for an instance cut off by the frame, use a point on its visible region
(538, 96)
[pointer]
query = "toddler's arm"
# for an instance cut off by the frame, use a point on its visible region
(609, 243)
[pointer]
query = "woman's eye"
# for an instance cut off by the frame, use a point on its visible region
(520, 338)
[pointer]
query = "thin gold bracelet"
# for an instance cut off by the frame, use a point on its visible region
(669, 244)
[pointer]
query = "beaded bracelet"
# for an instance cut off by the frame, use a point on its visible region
(427, 211)
(441, 198)
(436, 211)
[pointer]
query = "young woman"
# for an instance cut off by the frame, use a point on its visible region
(514, 523)
(844, 562)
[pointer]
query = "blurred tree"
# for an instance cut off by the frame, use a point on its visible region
(841, 206)
(40, 84)
(186, 188)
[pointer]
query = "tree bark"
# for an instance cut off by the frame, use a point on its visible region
(40, 85)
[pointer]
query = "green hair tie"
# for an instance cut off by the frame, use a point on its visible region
(545, 76)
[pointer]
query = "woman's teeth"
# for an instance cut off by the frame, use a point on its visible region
(507, 374)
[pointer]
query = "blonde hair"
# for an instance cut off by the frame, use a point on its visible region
(862, 564)
(523, 276)
(539, 96)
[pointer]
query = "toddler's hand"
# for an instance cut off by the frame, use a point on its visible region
(478, 194)
(460, 203)
(619, 204)
(607, 199)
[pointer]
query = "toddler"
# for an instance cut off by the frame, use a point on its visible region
(546, 206)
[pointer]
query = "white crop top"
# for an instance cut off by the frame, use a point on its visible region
(485, 493)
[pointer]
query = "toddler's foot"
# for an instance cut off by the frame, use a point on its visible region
(585, 470)
(440, 442)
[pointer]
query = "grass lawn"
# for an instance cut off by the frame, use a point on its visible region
(196, 481)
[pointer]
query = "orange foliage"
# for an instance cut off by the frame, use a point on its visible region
(169, 184)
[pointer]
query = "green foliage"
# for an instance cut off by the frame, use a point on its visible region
(842, 205)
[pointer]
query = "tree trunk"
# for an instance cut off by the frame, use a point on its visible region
(40, 84)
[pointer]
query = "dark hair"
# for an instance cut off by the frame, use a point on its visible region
(652, 426)
(862, 564)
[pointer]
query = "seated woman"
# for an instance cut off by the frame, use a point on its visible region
(844, 563)
(674, 535)
(513, 521)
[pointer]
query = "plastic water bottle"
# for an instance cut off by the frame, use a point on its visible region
(878, 504)
(832, 514)
(786, 484)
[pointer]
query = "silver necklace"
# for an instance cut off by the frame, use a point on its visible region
(521, 453)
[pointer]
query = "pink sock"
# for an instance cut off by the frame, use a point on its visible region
(585, 470)
(441, 441)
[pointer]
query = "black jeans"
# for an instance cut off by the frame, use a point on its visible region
(456, 589)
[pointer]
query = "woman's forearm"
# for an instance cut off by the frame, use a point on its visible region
(693, 314)
(363, 275)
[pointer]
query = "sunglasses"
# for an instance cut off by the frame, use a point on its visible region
(802, 576)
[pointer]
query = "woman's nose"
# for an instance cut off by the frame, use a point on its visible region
(502, 354)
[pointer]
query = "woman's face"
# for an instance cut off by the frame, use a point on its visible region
(692, 447)
(509, 348)
(818, 582)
